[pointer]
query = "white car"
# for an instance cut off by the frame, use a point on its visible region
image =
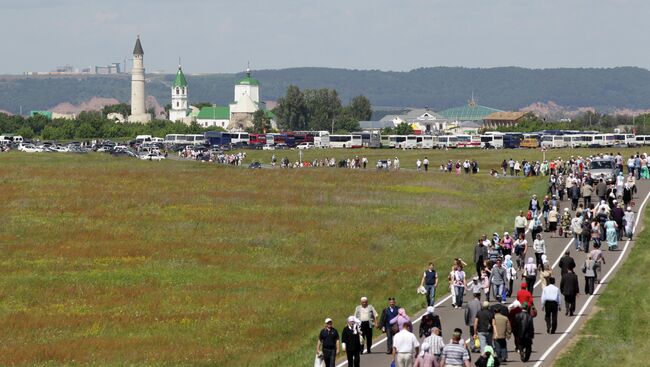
(268, 147)
(305, 145)
(29, 148)
(152, 157)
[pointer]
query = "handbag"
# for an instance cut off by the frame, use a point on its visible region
(394, 328)
(533, 311)
(477, 343)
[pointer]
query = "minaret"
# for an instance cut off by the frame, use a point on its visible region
(138, 95)
(178, 111)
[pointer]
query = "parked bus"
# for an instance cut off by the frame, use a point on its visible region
(492, 140)
(189, 139)
(642, 140)
(216, 138)
(346, 141)
(239, 137)
(281, 139)
(627, 140)
(370, 139)
(426, 141)
(576, 140)
(447, 141)
(552, 141)
(512, 140)
(468, 141)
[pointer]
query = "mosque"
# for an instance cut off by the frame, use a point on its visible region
(236, 116)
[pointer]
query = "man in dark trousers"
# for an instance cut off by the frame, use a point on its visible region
(601, 190)
(617, 214)
(384, 322)
(551, 305)
(328, 343)
(480, 255)
(566, 262)
(525, 332)
(570, 289)
(351, 340)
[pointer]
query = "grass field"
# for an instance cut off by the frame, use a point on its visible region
(111, 261)
(618, 333)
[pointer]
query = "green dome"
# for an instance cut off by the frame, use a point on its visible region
(180, 79)
(248, 80)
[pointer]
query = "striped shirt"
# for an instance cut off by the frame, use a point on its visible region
(455, 354)
(436, 344)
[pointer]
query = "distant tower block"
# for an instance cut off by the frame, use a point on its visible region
(178, 112)
(138, 95)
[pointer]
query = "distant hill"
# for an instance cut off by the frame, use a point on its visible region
(507, 88)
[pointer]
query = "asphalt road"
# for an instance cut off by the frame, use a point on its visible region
(546, 347)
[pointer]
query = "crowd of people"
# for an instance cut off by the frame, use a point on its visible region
(506, 267)
(466, 167)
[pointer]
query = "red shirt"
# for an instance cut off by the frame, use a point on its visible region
(524, 296)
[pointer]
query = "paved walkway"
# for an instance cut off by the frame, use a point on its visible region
(545, 347)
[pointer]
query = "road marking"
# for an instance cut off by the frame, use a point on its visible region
(584, 307)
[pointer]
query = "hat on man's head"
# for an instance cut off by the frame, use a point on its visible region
(328, 320)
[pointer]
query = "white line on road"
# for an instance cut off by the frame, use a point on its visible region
(584, 307)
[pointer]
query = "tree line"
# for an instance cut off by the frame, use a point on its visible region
(320, 109)
(91, 125)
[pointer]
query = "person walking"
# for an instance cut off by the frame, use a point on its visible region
(430, 282)
(351, 342)
(539, 246)
(628, 220)
(425, 358)
(484, 325)
(565, 263)
(525, 330)
(480, 255)
(570, 290)
(576, 228)
(429, 321)
(502, 332)
(520, 224)
(328, 344)
(455, 354)
(552, 221)
(459, 285)
(425, 163)
(369, 318)
(551, 305)
(498, 279)
(587, 190)
(405, 347)
(471, 310)
(530, 272)
(386, 315)
(599, 258)
(611, 230)
(589, 271)
(520, 248)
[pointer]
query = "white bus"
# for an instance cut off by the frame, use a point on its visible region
(346, 141)
(447, 141)
(468, 141)
(403, 141)
(321, 139)
(492, 140)
(11, 138)
(627, 140)
(575, 141)
(642, 140)
(426, 141)
(194, 139)
(552, 141)
(239, 137)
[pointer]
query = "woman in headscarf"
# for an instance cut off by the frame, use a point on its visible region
(511, 273)
(530, 271)
(544, 273)
(539, 246)
(589, 270)
(628, 219)
(425, 358)
(611, 230)
(401, 318)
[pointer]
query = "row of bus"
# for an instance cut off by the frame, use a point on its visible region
(364, 139)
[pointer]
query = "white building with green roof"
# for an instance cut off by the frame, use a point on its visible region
(215, 116)
(246, 103)
(179, 110)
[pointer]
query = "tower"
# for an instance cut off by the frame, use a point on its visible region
(248, 87)
(178, 112)
(138, 95)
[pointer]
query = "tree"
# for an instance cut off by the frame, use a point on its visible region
(346, 122)
(403, 129)
(261, 122)
(323, 106)
(122, 108)
(26, 132)
(292, 110)
(85, 131)
(361, 108)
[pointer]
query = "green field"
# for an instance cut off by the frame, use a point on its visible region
(115, 261)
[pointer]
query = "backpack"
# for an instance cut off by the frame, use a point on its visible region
(529, 215)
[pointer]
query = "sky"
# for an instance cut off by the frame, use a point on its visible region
(224, 36)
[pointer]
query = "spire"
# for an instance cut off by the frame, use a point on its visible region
(248, 70)
(180, 80)
(138, 48)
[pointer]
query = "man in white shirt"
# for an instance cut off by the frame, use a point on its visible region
(520, 223)
(405, 347)
(551, 305)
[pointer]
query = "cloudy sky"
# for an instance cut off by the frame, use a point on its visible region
(222, 36)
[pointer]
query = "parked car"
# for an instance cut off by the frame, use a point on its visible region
(268, 147)
(255, 165)
(152, 157)
(124, 153)
(305, 145)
